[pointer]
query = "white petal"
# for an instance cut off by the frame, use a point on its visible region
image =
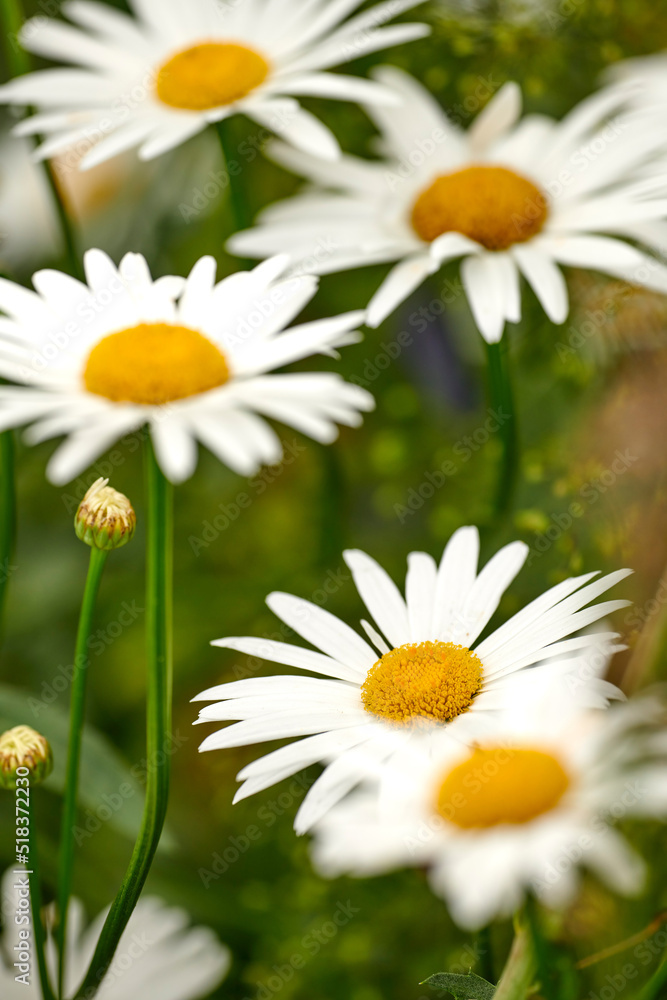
(483, 283)
(295, 125)
(497, 118)
(485, 594)
(323, 630)
(175, 447)
(420, 588)
(290, 656)
(282, 725)
(398, 285)
(456, 576)
(545, 278)
(380, 595)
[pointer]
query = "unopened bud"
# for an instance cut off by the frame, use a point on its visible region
(24, 754)
(105, 518)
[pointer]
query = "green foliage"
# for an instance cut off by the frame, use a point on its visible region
(470, 987)
(109, 791)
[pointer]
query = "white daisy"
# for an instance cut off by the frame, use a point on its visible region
(648, 75)
(160, 955)
(508, 196)
(533, 801)
(419, 671)
(28, 224)
(187, 357)
(155, 80)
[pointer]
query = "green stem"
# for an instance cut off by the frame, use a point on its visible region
(656, 988)
(519, 973)
(543, 962)
(158, 722)
(332, 518)
(66, 228)
(18, 61)
(485, 952)
(7, 513)
(35, 883)
(649, 657)
(76, 720)
(12, 22)
(238, 212)
(502, 403)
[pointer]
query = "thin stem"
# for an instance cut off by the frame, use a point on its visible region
(647, 663)
(519, 972)
(66, 228)
(485, 953)
(77, 710)
(12, 22)
(18, 61)
(502, 404)
(7, 513)
(332, 506)
(238, 212)
(656, 986)
(540, 948)
(620, 946)
(158, 720)
(35, 883)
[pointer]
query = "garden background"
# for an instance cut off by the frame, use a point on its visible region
(590, 399)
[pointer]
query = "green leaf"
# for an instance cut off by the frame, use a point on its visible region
(469, 987)
(108, 791)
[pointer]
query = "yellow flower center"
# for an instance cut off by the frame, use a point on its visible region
(501, 785)
(209, 75)
(491, 205)
(431, 680)
(154, 363)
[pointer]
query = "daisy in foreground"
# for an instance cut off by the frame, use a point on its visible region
(187, 357)
(510, 196)
(156, 80)
(160, 956)
(422, 667)
(519, 812)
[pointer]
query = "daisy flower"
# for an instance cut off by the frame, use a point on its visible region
(187, 357)
(511, 196)
(423, 665)
(156, 79)
(28, 224)
(648, 75)
(521, 811)
(160, 956)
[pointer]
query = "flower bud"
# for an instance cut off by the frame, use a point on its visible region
(105, 518)
(25, 751)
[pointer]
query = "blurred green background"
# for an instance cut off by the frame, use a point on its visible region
(581, 399)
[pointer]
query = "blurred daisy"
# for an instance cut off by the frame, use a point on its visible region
(160, 956)
(156, 80)
(28, 224)
(520, 811)
(508, 196)
(424, 665)
(648, 75)
(187, 357)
